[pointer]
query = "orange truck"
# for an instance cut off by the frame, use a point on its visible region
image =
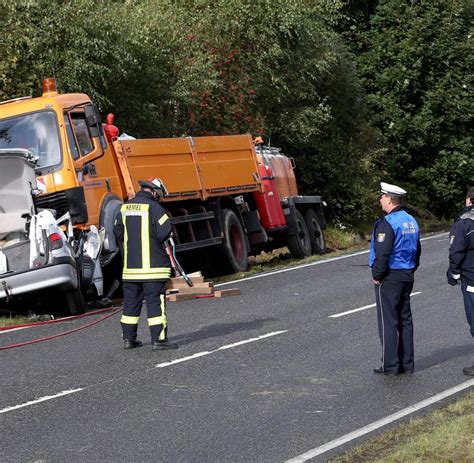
(228, 196)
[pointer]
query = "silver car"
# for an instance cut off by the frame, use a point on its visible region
(34, 251)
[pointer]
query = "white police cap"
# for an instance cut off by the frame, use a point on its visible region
(392, 190)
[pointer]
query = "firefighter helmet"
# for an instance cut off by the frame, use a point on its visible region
(154, 183)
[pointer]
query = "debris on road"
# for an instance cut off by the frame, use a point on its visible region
(178, 290)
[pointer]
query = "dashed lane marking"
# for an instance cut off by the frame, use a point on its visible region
(228, 346)
(42, 399)
(160, 365)
(380, 423)
(362, 308)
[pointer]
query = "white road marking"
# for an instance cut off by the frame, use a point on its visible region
(312, 264)
(160, 365)
(228, 346)
(14, 329)
(341, 314)
(380, 423)
(42, 399)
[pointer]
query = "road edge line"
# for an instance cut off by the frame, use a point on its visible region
(379, 423)
(311, 264)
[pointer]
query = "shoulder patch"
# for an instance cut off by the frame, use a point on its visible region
(380, 237)
(451, 239)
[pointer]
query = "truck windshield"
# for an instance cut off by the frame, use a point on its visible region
(36, 132)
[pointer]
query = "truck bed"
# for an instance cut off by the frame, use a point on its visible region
(197, 167)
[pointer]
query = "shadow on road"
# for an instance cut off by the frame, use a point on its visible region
(221, 329)
(443, 355)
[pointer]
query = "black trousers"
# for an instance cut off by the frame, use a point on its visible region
(468, 305)
(395, 325)
(154, 293)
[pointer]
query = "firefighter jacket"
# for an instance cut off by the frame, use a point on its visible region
(461, 246)
(395, 247)
(143, 226)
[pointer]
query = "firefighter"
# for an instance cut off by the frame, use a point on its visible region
(143, 226)
(394, 257)
(461, 261)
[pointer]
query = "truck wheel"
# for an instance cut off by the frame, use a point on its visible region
(299, 244)
(75, 302)
(234, 246)
(316, 235)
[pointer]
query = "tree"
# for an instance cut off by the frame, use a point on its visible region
(415, 59)
(194, 67)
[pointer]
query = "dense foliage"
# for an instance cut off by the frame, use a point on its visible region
(416, 63)
(355, 91)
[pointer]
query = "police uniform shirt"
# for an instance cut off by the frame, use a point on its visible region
(395, 247)
(143, 225)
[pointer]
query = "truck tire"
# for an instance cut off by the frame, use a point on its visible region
(234, 246)
(299, 244)
(316, 235)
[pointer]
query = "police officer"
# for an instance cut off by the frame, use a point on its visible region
(461, 260)
(143, 226)
(394, 257)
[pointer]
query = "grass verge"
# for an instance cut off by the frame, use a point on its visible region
(338, 242)
(444, 435)
(13, 320)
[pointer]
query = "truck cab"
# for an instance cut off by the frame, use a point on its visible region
(65, 135)
(74, 166)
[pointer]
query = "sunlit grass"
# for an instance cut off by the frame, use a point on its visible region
(445, 435)
(12, 321)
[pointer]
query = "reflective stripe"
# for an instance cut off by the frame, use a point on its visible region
(145, 242)
(129, 320)
(149, 270)
(134, 213)
(125, 245)
(157, 321)
(145, 276)
(163, 312)
(163, 219)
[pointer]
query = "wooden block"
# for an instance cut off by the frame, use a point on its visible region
(194, 274)
(183, 284)
(190, 275)
(179, 297)
(180, 281)
(227, 292)
(196, 290)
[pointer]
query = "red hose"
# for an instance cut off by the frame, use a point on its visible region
(58, 320)
(11, 346)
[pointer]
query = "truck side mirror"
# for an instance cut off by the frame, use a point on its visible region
(94, 122)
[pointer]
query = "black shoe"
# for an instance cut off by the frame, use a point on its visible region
(131, 344)
(163, 345)
(380, 371)
(468, 371)
(406, 372)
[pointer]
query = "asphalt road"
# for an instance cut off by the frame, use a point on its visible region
(300, 379)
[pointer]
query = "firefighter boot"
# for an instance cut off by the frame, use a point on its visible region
(131, 344)
(164, 345)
